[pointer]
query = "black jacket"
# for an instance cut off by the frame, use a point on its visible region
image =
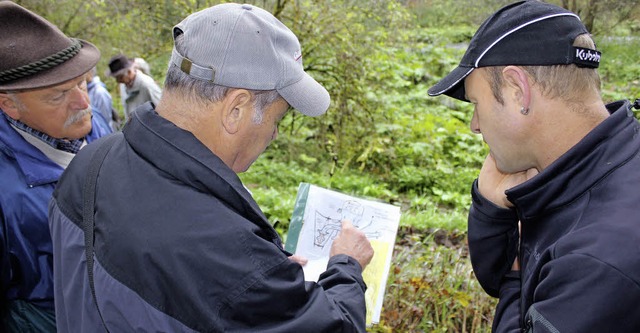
(580, 248)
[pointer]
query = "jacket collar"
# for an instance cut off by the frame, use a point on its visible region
(204, 170)
(37, 168)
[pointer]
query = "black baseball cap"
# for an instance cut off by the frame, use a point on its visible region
(527, 33)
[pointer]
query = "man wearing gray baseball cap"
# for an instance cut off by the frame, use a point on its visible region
(185, 248)
(554, 224)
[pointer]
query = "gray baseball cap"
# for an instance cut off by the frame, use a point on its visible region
(243, 46)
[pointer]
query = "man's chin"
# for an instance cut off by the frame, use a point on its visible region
(80, 129)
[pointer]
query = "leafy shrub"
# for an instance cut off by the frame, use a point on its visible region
(432, 287)
(619, 69)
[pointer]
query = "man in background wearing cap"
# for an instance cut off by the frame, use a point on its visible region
(45, 119)
(562, 165)
(186, 248)
(140, 88)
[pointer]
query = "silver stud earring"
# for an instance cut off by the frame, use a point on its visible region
(524, 111)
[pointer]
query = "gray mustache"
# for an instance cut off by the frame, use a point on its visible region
(76, 117)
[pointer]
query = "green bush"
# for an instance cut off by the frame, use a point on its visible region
(620, 68)
(432, 287)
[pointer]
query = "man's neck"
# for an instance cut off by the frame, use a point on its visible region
(563, 125)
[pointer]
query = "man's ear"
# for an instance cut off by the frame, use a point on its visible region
(8, 106)
(237, 106)
(518, 81)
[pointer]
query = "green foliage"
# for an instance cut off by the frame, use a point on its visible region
(604, 16)
(438, 13)
(620, 69)
(424, 214)
(346, 47)
(600, 16)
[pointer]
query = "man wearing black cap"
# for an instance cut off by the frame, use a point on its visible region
(45, 119)
(554, 226)
(139, 88)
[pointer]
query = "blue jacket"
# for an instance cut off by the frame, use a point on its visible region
(184, 248)
(579, 252)
(28, 178)
(101, 101)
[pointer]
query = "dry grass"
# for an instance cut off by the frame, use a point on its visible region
(432, 288)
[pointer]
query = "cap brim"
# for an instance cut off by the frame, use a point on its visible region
(116, 73)
(307, 96)
(80, 64)
(452, 84)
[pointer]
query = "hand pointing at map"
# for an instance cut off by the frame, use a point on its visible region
(352, 242)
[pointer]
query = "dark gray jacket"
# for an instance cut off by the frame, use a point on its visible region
(184, 247)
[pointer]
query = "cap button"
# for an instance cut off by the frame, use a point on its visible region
(247, 7)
